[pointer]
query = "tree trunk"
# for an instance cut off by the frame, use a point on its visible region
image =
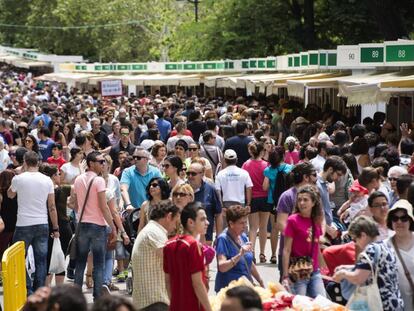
(309, 24)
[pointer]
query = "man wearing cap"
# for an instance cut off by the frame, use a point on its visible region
(234, 183)
(123, 145)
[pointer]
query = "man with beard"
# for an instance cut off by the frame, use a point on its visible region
(333, 169)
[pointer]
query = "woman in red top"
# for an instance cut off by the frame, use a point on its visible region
(184, 263)
(260, 209)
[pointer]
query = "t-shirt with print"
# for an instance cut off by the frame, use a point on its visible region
(255, 169)
(32, 190)
(183, 258)
(299, 229)
(286, 205)
(232, 182)
(382, 256)
(93, 213)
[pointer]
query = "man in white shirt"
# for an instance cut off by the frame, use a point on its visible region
(35, 197)
(234, 183)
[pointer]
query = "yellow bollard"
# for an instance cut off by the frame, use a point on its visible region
(14, 277)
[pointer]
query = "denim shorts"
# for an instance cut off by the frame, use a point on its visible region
(120, 251)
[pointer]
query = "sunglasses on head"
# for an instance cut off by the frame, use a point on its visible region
(404, 218)
(192, 173)
(180, 194)
(138, 158)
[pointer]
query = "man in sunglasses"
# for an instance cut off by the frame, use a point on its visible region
(94, 221)
(206, 194)
(123, 145)
(136, 178)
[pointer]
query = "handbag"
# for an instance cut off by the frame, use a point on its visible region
(72, 247)
(406, 272)
(367, 297)
(301, 267)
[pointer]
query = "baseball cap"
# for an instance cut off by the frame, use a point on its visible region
(230, 154)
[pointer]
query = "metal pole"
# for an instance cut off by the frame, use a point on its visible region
(196, 10)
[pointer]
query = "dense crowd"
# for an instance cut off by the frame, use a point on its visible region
(165, 184)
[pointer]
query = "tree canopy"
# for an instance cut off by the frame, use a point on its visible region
(164, 30)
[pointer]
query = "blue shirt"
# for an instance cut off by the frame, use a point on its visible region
(271, 174)
(45, 117)
(164, 127)
(227, 247)
(323, 191)
(137, 183)
(45, 148)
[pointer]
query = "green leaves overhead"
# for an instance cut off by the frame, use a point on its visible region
(164, 30)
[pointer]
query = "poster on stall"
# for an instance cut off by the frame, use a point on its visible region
(111, 88)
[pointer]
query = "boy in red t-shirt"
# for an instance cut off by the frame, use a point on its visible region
(56, 158)
(184, 263)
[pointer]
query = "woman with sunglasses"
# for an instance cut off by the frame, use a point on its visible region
(182, 195)
(172, 167)
(400, 219)
(375, 256)
(194, 151)
(157, 190)
(30, 143)
(56, 134)
(393, 174)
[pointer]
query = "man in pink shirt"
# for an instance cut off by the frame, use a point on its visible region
(95, 219)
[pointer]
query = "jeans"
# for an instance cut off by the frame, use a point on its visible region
(312, 287)
(91, 237)
(37, 236)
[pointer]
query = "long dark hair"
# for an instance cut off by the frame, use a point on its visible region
(317, 213)
(165, 189)
(5, 179)
(35, 147)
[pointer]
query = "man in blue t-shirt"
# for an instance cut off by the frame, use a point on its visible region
(45, 143)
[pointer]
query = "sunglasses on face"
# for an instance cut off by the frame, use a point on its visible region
(12, 154)
(138, 158)
(193, 149)
(29, 141)
(404, 218)
(179, 194)
(154, 185)
(192, 173)
(392, 178)
(101, 161)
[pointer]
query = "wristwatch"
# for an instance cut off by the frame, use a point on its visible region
(55, 229)
(129, 204)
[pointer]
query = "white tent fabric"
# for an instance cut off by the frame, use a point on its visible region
(69, 77)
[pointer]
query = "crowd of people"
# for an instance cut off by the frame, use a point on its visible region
(207, 178)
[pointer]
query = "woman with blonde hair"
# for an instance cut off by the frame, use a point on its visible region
(182, 195)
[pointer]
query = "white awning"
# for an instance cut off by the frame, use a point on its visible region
(68, 77)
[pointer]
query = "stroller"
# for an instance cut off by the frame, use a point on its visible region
(130, 223)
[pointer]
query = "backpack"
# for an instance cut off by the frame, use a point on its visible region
(281, 185)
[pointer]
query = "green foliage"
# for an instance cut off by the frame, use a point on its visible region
(231, 29)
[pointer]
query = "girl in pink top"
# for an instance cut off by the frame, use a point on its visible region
(259, 209)
(302, 233)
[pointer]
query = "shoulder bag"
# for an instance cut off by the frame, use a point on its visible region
(367, 297)
(301, 267)
(72, 247)
(406, 272)
(243, 258)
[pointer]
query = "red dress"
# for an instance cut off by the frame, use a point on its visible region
(182, 258)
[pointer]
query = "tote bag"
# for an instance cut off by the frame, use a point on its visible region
(367, 298)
